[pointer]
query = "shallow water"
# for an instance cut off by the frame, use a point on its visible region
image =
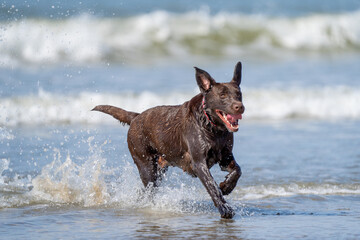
(292, 184)
(66, 172)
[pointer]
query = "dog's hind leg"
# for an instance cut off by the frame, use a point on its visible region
(162, 167)
(149, 169)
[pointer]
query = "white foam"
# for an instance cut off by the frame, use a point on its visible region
(12, 189)
(327, 103)
(284, 190)
(87, 39)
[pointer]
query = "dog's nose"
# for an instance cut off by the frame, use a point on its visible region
(239, 107)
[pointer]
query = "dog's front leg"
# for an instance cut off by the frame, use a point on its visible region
(231, 179)
(202, 172)
(229, 164)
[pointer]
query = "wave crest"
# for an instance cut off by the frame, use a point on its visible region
(328, 103)
(86, 39)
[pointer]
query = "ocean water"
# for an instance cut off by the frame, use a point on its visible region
(66, 172)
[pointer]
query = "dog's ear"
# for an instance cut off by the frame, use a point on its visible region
(204, 80)
(237, 74)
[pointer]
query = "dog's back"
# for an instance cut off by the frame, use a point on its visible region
(162, 130)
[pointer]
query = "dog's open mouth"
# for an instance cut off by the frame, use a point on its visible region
(231, 121)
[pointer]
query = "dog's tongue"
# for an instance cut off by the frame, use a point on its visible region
(233, 118)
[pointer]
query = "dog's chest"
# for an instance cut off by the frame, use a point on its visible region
(215, 145)
(213, 157)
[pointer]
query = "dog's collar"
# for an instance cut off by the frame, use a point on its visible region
(203, 106)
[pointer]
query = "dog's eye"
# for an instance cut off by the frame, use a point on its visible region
(223, 95)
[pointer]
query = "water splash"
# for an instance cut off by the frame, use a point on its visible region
(4, 165)
(68, 182)
(92, 184)
(89, 182)
(5, 134)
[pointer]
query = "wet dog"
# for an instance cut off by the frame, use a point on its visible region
(193, 136)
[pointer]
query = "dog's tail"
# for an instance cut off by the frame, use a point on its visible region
(118, 113)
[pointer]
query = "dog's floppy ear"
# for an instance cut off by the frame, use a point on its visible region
(204, 80)
(237, 74)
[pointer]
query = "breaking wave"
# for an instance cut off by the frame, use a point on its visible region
(327, 103)
(159, 34)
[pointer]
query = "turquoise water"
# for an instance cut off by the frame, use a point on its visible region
(65, 172)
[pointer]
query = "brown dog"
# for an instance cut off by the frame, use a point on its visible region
(193, 136)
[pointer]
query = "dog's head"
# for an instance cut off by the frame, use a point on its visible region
(222, 101)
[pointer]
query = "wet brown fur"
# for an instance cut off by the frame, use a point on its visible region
(184, 137)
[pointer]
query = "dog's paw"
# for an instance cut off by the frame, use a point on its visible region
(226, 188)
(226, 211)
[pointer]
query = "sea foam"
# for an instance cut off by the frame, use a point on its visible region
(326, 103)
(86, 39)
(295, 188)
